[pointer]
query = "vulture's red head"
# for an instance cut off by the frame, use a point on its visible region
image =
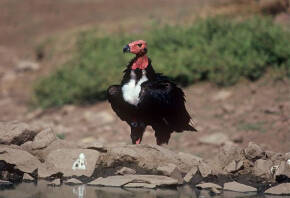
(136, 47)
(140, 49)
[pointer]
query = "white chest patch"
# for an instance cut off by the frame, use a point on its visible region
(131, 90)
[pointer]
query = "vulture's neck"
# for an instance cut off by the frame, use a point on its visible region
(140, 62)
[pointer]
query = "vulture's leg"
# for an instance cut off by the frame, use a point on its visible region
(137, 130)
(162, 133)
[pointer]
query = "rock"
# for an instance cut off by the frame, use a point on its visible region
(262, 168)
(231, 167)
(73, 181)
(92, 143)
(73, 162)
(3, 182)
(57, 144)
(102, 117)
(145, 157)
(25, 66)
(215, 191)
(234, 186)
(189, 157)
(55, 182)
(227, 154)
(204, 169)
(253, 151)
(112, 181)
(16, 133)
(139, 185)
(172, 171)
(283, 171)
(125, 171)
(27, 178)
(119, 181)
(281, 189)
(208, 186)
(222, 95)
(43, 139)
(191, 174)
(214, 139)
(20, 160)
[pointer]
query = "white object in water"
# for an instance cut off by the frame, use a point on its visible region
(80, 191)
(288, 161)
(80, 163)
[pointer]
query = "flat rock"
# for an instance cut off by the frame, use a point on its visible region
(55, 182)
(235, 186)
(119, 181)
(43, 139)
(73, 162)
(16, 132)
(112, 181)
(281, 189)
(214, 139)
(139, 185)
(208, 186)
(73, 181)
(125, 171)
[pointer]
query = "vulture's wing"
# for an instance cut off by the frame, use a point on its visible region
(163, 98)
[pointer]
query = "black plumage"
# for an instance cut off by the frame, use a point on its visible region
(161, 104)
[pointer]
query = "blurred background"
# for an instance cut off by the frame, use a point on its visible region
(232, 57)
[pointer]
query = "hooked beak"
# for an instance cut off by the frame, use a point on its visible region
(126, 49)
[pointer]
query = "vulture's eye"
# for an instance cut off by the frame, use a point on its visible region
(139, 45)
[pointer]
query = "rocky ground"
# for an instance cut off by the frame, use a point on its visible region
(29, 153)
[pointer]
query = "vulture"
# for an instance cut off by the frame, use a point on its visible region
(146, 98)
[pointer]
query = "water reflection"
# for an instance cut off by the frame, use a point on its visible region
(41, 190)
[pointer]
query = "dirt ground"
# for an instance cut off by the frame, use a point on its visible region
(258, 111)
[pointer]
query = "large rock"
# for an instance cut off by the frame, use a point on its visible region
(143, 159)
(73, 162)
(135, 181)
(281, 189)
(16, 132)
